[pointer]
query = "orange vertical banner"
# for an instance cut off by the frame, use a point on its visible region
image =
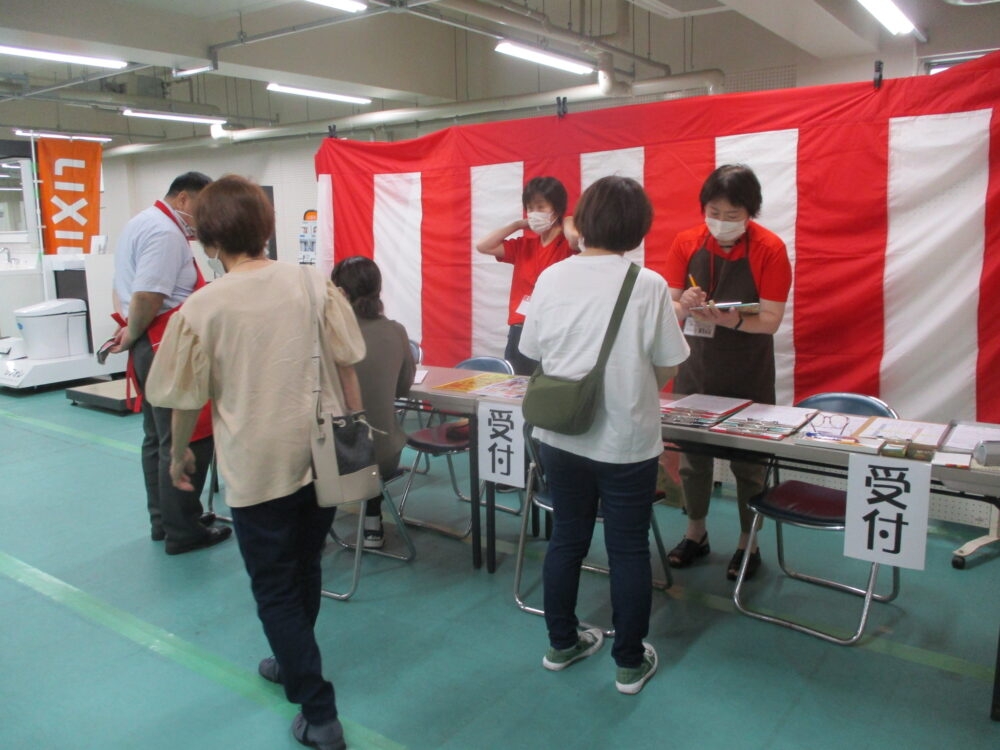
(69, 174)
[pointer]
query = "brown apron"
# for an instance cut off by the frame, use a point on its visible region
(731, 363)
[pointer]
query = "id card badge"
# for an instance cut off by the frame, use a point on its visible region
(700, 328)
(522, 309)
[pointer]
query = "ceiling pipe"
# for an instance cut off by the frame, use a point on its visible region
(504, 17)
(243, 39)
(86, 78)
(711, 80)
(606, 77)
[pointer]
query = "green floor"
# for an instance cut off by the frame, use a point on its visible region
(105, 642)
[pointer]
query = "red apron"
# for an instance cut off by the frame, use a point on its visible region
(154, 332)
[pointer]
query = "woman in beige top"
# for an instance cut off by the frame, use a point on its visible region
(245, 342)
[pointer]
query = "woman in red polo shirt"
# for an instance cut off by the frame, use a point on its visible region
(544, 200)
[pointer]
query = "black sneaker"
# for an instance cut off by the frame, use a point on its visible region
(374, 538)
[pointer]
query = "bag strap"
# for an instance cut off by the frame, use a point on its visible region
(317, 355)
(617, 315)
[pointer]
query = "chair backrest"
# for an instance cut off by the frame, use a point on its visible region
(416, 351)
(849, 403)
(486, 364)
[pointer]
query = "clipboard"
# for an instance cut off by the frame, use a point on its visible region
(748, 308)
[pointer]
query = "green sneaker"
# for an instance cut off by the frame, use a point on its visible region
(631, 680)
(588, 642)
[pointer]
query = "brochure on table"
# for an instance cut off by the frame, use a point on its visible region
(699, 410)
(765, 421)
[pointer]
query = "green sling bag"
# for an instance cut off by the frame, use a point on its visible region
(569, 406)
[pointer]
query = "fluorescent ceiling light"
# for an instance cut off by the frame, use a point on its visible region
(349, 6)
(658, 7)
(62, 136)
(97, 62)
(544, 58)
(197, 119)
(889, 15)
(317, 94)
(192, 71)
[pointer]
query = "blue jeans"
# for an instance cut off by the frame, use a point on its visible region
(625, 493)
(281, 542)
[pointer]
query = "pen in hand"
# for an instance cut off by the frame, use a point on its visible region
(693, 282)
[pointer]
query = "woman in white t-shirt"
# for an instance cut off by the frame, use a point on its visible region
(614, 463)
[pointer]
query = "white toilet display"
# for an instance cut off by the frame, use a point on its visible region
(54, 328)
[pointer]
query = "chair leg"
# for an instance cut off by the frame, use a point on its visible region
(520, 555)
(411, 521)
(504, 508)
(213, 490)
(661, 550)
(389, 504)
(868, 593)
(358, 549)
(835, 585)
(454, 480)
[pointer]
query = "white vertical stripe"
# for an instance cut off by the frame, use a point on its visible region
(324, 224)
(623, 162)
(396, 220)
(773, 156)
(938, 176)
(495, 201)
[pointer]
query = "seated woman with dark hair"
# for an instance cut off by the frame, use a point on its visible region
(237, 341)
(612, 465)
(386, 373)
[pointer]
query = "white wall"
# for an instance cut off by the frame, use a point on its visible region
(133, 183)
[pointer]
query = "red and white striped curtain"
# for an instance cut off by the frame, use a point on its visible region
(888, 200)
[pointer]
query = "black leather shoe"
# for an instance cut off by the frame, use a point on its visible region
(213, 536)
(733, 571)
(158, 535)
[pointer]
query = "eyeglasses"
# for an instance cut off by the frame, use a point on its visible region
(830, 424)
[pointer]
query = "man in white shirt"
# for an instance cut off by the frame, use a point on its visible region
(155, 272)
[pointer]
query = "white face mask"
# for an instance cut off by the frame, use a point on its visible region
(540, 221)
(188, 224)
(725, 231)
(215, 264)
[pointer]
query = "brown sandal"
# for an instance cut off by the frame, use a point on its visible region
(685, 553)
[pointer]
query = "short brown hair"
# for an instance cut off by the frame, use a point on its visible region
(234, 215)
(613, 214)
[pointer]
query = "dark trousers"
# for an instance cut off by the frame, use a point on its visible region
(176, 512)
(624, 493)
(522, 365)
(281, 542)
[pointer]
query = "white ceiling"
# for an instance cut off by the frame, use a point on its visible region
(410, 57)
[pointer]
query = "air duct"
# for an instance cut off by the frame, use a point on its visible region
(710, 80)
